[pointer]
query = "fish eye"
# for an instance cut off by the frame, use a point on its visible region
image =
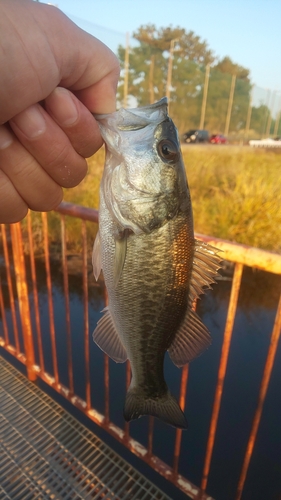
(168, 150)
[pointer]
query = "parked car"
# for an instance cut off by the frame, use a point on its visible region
(195, 136)
(218, 139)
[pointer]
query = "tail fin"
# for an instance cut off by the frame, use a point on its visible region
(166, 408)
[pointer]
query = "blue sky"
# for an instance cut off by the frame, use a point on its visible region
(248, 31)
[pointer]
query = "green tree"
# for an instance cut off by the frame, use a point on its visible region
(218, 96)
(149, 68)
(226, 65)
(148, 74)
(259, 119)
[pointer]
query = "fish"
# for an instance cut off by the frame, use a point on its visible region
(154, 269)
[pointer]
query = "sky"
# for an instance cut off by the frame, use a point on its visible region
(248, 31)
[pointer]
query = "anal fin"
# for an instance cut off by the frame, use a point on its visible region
(107, 338)
(191, 340)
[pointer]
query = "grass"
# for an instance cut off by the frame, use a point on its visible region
(236, 193)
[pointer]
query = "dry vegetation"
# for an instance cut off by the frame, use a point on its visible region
(236, 194)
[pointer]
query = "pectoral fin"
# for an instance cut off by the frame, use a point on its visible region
(191, 340)
(120, 256)
(107, 338)
(96, 257)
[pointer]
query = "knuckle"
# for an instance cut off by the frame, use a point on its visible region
(57, 155)
(89, 146)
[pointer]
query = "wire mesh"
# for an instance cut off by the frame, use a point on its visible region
(47, 454)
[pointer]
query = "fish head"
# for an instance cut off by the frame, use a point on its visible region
(144, 182)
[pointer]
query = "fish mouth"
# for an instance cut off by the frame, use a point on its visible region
(137, 118)
(155, 105)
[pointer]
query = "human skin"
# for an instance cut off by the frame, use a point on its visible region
(53, 77)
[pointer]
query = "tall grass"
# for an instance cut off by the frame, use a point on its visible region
(236, 192)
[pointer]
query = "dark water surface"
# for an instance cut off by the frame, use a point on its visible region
(250, 342)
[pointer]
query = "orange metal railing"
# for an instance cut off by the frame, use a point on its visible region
(12, 243)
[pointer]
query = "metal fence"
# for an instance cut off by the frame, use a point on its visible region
(21, 336)
(221, 105)
(209, 98)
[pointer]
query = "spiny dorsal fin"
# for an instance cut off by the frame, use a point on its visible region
(191, 340)
(193, 337)
(206, 264)
(107, 338)
(96, 257)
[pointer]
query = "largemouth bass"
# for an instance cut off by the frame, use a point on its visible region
(153, 267)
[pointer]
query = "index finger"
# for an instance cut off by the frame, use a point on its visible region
(100, 98)
(72, 59)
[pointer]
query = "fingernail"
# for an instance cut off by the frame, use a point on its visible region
(31, 122)
(6, 137)
(62, 107)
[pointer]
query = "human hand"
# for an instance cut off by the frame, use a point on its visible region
(54, 76)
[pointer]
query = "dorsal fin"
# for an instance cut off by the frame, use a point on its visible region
(193, 337)
(206, 264)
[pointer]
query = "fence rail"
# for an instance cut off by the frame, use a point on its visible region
(25, 321)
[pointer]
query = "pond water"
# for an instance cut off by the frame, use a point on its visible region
(251, 337)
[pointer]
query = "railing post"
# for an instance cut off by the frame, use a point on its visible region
(231, 314)
(23, 299)
(275, 336)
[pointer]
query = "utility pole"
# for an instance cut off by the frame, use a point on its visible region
(205, 93)
(126, 71)
(267, 112)
(170, 67)
(269, 120)
(230, 103)
(277, 119)
(248, 119)
(151, 79)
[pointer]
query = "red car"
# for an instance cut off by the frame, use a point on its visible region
(218, 139)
